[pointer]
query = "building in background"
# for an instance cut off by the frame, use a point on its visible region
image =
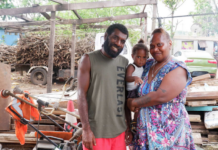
(8, 39)
(208, 44)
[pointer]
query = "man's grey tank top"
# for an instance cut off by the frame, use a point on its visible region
(106, 95)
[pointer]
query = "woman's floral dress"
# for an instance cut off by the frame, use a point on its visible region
(165, 126)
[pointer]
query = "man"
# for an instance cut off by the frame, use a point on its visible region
(101, 94)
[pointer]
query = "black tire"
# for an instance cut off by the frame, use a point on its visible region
(39, 76)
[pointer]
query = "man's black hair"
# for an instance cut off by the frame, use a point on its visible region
(118, 26)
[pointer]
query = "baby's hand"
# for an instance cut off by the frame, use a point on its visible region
(138, 80)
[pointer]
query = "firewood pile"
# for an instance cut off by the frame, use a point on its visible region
(7, 54)
(202, 106)
(34, 50)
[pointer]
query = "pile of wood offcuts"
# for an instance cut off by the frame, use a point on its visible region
(7, 54)
(34, 50)
(202, 107)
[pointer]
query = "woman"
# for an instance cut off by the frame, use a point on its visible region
(163, 122)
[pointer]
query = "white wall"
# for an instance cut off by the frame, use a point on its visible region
(209, 47)
(177, 45)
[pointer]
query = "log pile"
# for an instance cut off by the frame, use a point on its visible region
(201, 99)
(34, 50)
(7, 54)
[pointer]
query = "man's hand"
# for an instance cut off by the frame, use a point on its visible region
(88, 139)
(130, 104)
(128, 136)
(138, 80)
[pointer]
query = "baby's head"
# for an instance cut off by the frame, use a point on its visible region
(140, 53)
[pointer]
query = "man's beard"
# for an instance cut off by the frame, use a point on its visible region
(110, 52)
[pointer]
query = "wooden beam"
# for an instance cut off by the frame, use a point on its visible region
(154, 17)
(146, 32)
(46, 15)
(202, 95)
(142, 12)
(51, 53)
(77, 27)
(64, 2)
(75, 21)
(22, 17)
(202, 77)
(74, 6)
(73, 47)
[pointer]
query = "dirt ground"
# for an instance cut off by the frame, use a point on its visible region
(24, 83)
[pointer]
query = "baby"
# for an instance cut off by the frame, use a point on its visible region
(134, 71)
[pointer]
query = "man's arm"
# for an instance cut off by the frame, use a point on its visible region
(83, 86)
(173, 84)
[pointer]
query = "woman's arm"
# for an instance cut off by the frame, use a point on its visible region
(172, 85)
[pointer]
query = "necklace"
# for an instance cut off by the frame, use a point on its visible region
(152, 75)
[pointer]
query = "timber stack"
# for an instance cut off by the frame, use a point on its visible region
(202, 106)
(8, 54)
(33, 49)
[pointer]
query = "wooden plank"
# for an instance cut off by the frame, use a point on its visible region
(202, 108)
(47, 121)
(41, 127)
(212, 138)
(56, 112)
(64, 2)
(202, 77)
(197, 138)
(77, 27)
(27, 141)
(198, 126)
(51, 53)
(194, 118)
(202, 95)
(47, 16)
(146, 32)
(5, 83)
(73, 47)
(75, 21)
(74, 6)
(22, 17)
(200, 103)
(204, 132)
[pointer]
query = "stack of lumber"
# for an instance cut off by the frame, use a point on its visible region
(34, 50)
(7, 54)
(201, 98)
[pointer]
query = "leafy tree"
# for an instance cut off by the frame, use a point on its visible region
(6, 4)
(85, 14)
(208, 23)
(173, 5)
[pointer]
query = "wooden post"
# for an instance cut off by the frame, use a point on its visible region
(73, 47)
(154, 17)
(146, 32)
(51, 53)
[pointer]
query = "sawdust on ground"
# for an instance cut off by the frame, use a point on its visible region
(24, 83)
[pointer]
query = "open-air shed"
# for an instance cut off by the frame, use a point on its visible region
(24, 26)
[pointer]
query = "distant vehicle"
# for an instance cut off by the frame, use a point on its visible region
(198, 62)
(127, 50)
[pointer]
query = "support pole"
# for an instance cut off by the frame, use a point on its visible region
(154, 17)
(73, 47)
(146, 32)
(51, 53)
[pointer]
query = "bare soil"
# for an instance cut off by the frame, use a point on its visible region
(24, 83)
